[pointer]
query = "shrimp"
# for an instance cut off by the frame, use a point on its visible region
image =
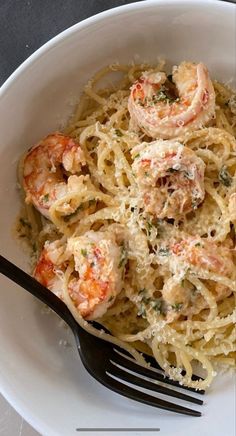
(164, 109)
(170, 178)
(182, 297)
(46, 167)
(205, 255)
(51, 266)
(97, 276)
(98, 262)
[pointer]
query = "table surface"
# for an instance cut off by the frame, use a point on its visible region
(25, 25)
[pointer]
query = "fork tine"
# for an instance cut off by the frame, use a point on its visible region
(131, 378)
(141, 397)
(154, 365)
(132, 365)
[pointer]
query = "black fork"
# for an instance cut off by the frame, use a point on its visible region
(106, 362)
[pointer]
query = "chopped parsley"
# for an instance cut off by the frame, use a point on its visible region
(142, 310)
(188, 175)
(25, 223)
(84, 252)
(146, 300)
(172, 170)
(157, 305)
(198, 244)
(164, 251)
(149, 227)
(224, 177)
(73, 214)
(136, 156)
(118, 132)
(123, 257)
(92, 201)
(164, 94)
(177, 306)
(149, 303)
(161, 96)
(46, 197)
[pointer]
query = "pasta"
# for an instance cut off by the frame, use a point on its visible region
(168, 202)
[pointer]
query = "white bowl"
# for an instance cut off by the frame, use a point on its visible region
(43, 380)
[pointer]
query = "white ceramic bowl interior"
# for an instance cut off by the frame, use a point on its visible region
(44, 380)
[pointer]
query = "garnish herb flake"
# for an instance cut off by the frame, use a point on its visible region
(73, 214)
(123, 257)
(92, 201)
(177, 306)
(173, 170)
(164, 251)
(84, 252)
(46, 197)
(142, 311)
(118, 132)
(157, 305)
(25, 223)
(149, 227)
(224, 177)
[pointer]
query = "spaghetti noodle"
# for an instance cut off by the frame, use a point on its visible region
(148, 218)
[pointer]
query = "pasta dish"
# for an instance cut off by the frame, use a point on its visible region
(131, 213)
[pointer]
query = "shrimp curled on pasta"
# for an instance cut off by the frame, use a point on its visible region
(97, 276)
(166, 109)
(170, 178)
(46, 168)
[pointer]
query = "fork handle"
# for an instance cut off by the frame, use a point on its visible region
(31, 285)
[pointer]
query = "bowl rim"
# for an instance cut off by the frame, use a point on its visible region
(37, 423)
(119, 10)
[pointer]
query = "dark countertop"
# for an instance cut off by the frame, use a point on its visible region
(25, 25)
